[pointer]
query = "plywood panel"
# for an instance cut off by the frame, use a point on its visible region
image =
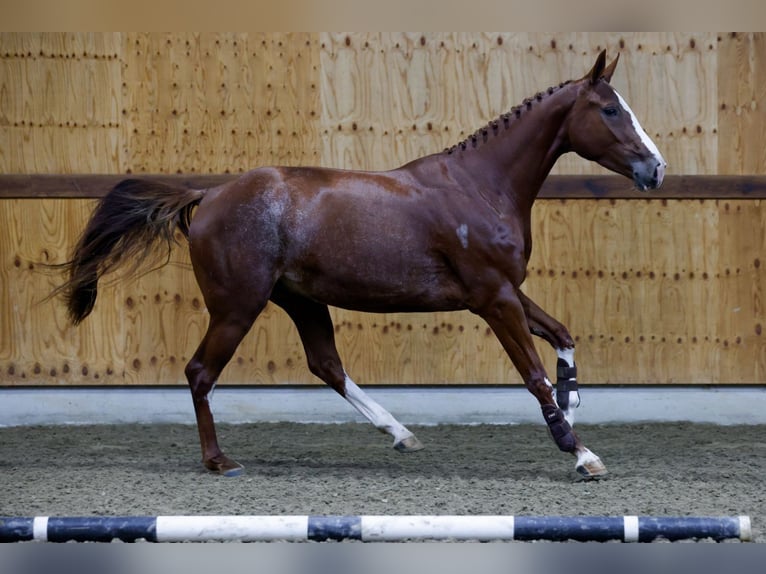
(742, 102)
(37, 345)
(219, 103)
(59, 103)
(61, 45)
(689, 314)
(227, 102)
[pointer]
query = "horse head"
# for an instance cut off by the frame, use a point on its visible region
(604, 129)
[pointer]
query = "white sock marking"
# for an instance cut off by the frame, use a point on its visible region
(585, 457)
(375, 413)
(567, 355)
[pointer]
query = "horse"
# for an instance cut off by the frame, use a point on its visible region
(445, 232)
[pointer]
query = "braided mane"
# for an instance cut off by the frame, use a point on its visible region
(493, 127)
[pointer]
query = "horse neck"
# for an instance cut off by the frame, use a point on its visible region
(517, 158)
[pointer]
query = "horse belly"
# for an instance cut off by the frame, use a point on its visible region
(383, 282)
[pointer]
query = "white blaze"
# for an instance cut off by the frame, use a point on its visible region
(648, 142)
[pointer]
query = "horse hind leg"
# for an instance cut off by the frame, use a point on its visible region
(317, 335)
(224, 334)
(404, 440)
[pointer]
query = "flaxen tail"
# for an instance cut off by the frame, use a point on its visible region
(126, 226)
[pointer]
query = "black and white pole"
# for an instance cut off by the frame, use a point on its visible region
(371, 528)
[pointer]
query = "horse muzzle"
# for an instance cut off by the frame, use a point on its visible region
(648, 174)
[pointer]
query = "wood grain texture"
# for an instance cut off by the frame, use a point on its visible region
(219, 103)
(60, 102)
(37, 344)
(226, 102)
(742, 102)
(664, 288)
(691, 314)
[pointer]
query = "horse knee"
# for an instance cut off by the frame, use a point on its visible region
(541, 388)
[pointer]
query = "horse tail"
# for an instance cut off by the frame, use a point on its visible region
(126, 226)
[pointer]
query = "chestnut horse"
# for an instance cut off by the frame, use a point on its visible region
(446, 232)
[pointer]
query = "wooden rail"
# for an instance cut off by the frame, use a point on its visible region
(78, 186)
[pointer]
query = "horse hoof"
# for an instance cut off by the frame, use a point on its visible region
(409, 444)
(592, 470)
(235, 471)
(224, 466)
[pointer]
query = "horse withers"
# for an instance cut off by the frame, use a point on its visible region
(445, 232)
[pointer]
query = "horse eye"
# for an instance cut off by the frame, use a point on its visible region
(611, 111)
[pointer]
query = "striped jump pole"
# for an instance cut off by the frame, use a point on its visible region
(370, 528)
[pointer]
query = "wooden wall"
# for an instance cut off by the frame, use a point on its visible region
(655, 290)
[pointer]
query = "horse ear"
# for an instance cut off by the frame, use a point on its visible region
(598, 68)
(607, 75)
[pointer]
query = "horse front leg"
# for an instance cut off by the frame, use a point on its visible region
(506, 317)
(543, 325)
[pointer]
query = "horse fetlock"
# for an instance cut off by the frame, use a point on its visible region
(560, 429)
(223, 465)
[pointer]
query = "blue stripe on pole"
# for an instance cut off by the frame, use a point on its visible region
(583, 528)
(322, 528)
(651, 528)
(16, 529)
(102, 528)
